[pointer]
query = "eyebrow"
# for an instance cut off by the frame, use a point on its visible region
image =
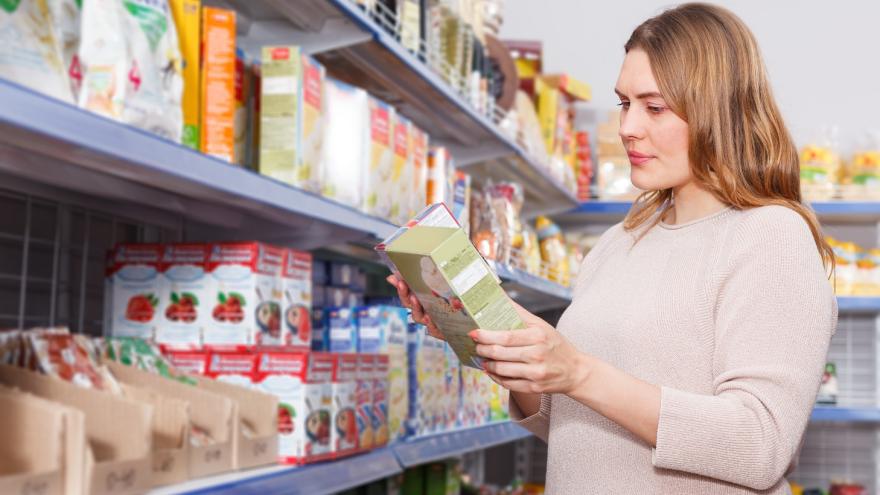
(640, 96)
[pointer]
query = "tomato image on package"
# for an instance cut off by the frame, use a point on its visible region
(344, 431)
(246, 297)
(296, 280)
(136, 284)
(186, 293)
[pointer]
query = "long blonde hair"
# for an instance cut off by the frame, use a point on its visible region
(710, 71)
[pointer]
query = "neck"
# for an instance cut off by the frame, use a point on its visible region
(691, 202)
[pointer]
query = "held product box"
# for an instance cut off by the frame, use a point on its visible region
(401, 171)
(380, 400)
(296, 285)
(255, 435)
(246, 306)
(235, 368)
(187, 17)
(363, 395)
(186, 296)
(452, 281)
(212, 418)
(45, 451)
(137, 283)
(218, 83)
(377, 183)
(310, 131)
(343, 414)
(346, 141)
(279, 94)
(341, 334)
(301, 382)
(117, 432)
(419, 159)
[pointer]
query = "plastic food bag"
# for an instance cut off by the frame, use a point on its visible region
(553, 251)
(821, 168)
(485, 231)
(505, 201)
(31, 48)
(143, 355)
(131, 64)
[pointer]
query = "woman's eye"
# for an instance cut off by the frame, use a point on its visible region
(655, 109)
(624, 105)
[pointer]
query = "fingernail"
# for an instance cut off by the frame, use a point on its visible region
(473, 335)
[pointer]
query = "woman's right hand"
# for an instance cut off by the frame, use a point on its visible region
(410, 301)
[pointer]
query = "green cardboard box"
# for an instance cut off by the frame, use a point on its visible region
(280, 87)
(453, 282)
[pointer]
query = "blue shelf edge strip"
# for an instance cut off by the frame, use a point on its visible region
(845, 414)
(599, 207)
(533, 282)
(351, 472)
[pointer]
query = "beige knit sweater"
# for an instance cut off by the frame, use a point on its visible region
(732, 316)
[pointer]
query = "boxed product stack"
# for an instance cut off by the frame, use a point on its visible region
(857, 270)
(826, 175)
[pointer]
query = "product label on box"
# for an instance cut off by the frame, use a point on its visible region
(185, 311)
(195, 363)
(364, 400)
(283, 375)
(237, 369)
(341, 330)
(297, 288)
(311, 130)
(401, 173)
(379, 410)
(137, 284)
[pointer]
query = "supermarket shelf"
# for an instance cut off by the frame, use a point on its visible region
(531, 291)
(441, 446)
(355, 49)
(827, 211)
(845, 414)
(858, 304)
(335, 476)
(315, 479)
(49, 147)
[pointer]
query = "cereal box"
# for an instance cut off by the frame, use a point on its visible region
(341, 330)
(218, 83)
(378, 326)
(190, 362)
(236, 368)
(343, 412)
(296, 285)
(401, 172)
(419, 159)
(188, 20)
(280, 92)
(185, 306)
(380, 400)
(246, 303)
(310, 137)
(364, 400)
(137, 284)
(377, 183)
(346, 138)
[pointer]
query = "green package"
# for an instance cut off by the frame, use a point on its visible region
(453, 283)
(279, 92)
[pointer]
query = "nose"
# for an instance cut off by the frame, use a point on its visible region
(631, 125)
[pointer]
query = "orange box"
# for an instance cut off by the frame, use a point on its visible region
(218, 83)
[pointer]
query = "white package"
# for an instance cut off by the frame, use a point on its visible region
(346, 138)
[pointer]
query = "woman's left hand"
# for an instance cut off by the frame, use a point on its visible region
(535, 359)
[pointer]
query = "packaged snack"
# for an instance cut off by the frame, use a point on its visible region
(346, 138)
(296, 280)
(439, 172)
(828, 389)
(131, 64)
(144, 356)
(366, 370)
(505, 202)
(485, 233)
(312, 120)
(62, 355)
(284, 375)
(380, 411)
(280, 93)
(377, 183)
(381, 328)
(401, 173)
(341, 330)
(241, 125)
(137, 284)
(426, 382)
(66, 14)
(187, 18)
(846, 272)
(461, 201)
(821, 166)
(218, 83)
(451, 401)
(246, 307)
(32, 52)
(344, 431)
(451, 280)
(236, 368)
(419, 158)
(553, 250)
(188, 362)
(186, 296)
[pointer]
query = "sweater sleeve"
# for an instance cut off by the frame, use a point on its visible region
(538, 423)
(775, 316)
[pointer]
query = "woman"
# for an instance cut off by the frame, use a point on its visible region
(690, 357)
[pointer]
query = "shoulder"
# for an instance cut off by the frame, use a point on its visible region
(772, 223)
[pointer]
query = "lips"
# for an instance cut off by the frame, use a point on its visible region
(637, 158)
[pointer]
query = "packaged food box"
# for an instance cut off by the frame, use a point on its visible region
(366, 370)
(419, 158)
(187, 17)
(312, 120)
(246, 307)
(343, 411)
(377, 183)
(241, 129)
(380, 328)
(188, 362)
(280, 93)
(218, 83)
(186, 296)
(343, 274)
(235, 368)
(136, 284)
(341, 330)
(346, 138)
(337, 296)
(57, 353)
(296, 285)
(451, 280)
(451, 402)
(438, 188)
(381, 431)
(829, 388)
(401, 172)
(426, 382)
(461, 200)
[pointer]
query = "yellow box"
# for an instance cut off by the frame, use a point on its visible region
(279, 94)
(188, 21)
(218, 83)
